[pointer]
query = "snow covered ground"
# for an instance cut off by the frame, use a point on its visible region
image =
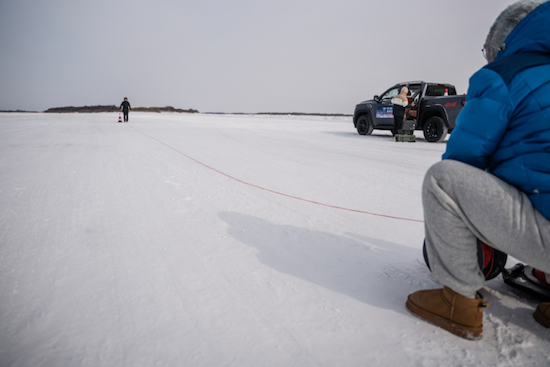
(144, 244)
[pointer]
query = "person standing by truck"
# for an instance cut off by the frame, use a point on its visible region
(125, 107)
(400, 102)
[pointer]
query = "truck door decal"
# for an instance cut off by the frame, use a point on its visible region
(384, 112)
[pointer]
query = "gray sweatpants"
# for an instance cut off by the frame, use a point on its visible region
(462, 203)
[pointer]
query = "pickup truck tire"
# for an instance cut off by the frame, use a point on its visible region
(364, 125)
(435, 129)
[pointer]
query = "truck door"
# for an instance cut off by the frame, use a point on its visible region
(384, 108)
(415, 91)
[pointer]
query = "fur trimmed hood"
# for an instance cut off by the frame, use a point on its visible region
(522, 27)
(401, 99)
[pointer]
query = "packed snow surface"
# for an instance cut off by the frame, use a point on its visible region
(201, 240)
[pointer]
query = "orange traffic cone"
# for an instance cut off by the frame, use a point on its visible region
(446, 92)
(119, 117)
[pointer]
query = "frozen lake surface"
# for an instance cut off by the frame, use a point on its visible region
(225, 240)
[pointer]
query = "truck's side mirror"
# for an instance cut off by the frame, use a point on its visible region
(376, 98)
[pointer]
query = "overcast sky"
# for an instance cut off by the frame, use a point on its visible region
(234, 56)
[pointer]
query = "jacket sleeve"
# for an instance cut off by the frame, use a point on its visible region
(482, 122)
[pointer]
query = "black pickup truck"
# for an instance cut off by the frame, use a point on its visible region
(433, 108)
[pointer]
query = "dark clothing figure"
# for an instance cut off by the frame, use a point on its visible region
(398, 115)
(125, 107)
(400, 102)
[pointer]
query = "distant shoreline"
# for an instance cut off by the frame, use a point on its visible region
(113, 108)
(17, 111)
(280, 114)
(100, 109)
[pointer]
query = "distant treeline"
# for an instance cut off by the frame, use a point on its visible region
(113, 108)
(302, 114)
(280, 113)
(17, 111)
(163, 109)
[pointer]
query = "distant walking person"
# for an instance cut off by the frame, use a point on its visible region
(125, 107)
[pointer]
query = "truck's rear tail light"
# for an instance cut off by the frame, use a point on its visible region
(463, 102)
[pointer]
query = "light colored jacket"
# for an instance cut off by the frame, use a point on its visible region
(400, 99)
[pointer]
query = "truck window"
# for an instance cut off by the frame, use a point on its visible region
(413, 89)
(414, 92)
(439, 90)
(391, 93)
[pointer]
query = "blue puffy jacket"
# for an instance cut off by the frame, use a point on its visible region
(505, 126)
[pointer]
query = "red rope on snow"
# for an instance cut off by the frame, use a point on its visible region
(272, 191)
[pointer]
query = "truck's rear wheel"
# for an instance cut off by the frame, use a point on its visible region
(364, 125)
(435, 129)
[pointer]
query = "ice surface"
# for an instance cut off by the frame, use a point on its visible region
(130, 245)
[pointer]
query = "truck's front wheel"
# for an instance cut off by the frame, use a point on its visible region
(364, 125)
(435, 129)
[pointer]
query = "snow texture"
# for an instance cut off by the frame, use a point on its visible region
(144, 244)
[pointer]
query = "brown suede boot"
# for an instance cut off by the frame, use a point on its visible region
(453, 312)
(542, 314)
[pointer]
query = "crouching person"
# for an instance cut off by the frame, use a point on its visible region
(493, 183)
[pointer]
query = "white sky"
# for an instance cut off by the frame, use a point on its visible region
(234, 56)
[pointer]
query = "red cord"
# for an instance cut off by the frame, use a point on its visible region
(272, 191)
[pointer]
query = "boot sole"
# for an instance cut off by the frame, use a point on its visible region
(541, 318)
(462, 331)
